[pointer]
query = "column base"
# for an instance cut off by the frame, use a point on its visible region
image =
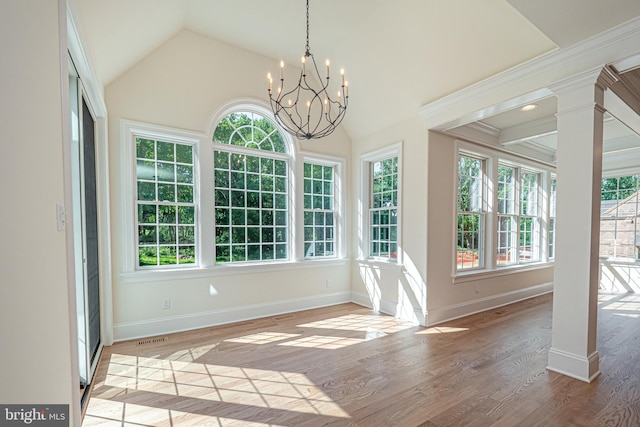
(572, 365)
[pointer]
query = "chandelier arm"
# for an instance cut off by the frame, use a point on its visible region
(323, 87)
(315, 98)
(286, 119)
(279, 114)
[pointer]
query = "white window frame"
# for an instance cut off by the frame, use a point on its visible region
(512, 215)
(615, 219)
(366, 162)
(482, 211)
(130, 131)
(339, 167)
(551, 227)
(286, 158)
(204, 199)
(517, 215)
(493, 158)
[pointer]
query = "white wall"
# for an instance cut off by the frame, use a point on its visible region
(35, 310)
(421, 288)
(392, 288)
(447, 300)
(181, 85)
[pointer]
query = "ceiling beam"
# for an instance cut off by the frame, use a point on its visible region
(533, 129)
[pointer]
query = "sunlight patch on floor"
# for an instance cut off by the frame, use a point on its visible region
(624, 305)
(107, 413)
(187, 383)
(278, 390)
(262, 338)
(191, 354)
(361, 322)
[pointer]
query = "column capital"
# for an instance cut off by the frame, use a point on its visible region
(601, 76)
(584, 91)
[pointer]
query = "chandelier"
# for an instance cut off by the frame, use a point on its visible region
(307, 111)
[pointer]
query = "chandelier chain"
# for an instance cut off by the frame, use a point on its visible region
(307, 48)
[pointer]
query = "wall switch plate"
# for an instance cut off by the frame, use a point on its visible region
(61, 217)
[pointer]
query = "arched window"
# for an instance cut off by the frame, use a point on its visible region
(227, 196)
(251, 184)
(250, 130)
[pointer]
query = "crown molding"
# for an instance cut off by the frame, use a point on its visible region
(485, 128)
(478, 132)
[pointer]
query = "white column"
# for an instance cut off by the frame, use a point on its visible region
(579, 171)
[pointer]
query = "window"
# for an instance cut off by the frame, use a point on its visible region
(319, 210)
(381, 196)
(619, 233)
(528, 249)
(197, 200)
(165, 202)
(506, 216)
(518, 216)
(251, 184)
(501, 218)
(552, 219)
(470, 234)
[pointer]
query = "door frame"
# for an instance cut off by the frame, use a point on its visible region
(72, 46)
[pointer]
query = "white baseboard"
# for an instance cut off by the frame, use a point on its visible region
(388, 307)
(572, 365)
(166, 325)
(444, 314)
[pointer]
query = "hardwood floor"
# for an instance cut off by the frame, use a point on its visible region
(347, 366)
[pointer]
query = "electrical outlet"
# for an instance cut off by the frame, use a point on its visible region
(328, 283)
(166, 304)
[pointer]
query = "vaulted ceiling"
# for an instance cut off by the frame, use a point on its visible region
(397, 55)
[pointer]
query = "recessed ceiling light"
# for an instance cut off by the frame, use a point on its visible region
(529, 107)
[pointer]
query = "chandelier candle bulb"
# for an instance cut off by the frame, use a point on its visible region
(346, 88)
(326, 105)
(282, 70)
(270, 81)
(327, 69)
(342, 75)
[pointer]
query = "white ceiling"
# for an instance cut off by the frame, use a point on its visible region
(568, 21)
(398, 55)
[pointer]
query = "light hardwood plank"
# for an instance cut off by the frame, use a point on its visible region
(347, 366)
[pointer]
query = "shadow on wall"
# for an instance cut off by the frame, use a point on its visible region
(396, 290)
(619, 276)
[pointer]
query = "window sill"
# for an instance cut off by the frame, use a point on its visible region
(142, 276)
(470, 276)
